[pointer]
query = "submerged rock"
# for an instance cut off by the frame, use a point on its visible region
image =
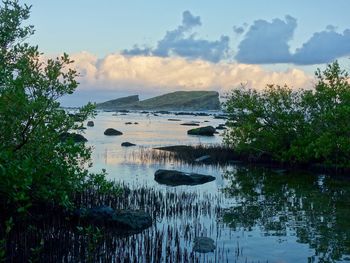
(74, 136)
(112, 132)
(204, 131)
(204, 245)
(127, 144)
(124, 220)
(90, 124)
(203, 159)
(174, 178)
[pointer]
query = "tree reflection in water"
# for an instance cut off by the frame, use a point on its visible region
(314, 208)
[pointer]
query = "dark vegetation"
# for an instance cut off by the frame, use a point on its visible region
(42, 167)
(294, 127)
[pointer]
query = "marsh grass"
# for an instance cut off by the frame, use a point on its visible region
(220, 155)
(178, 216)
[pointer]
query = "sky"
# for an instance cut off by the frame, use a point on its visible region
(154, 47)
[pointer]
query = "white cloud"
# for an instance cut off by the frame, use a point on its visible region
(151, 74)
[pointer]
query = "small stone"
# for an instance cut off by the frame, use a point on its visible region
(204, 245)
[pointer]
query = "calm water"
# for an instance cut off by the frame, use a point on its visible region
(253, 214)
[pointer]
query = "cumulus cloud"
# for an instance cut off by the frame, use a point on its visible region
(151, 74)
(323, 47)
(268, 42)
(182, 42)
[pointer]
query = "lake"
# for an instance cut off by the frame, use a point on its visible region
(253, 214)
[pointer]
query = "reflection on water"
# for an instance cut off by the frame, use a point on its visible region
(252, 214)
(293, 217)
(297, 207)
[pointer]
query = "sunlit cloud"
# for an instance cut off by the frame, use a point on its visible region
(151, 74)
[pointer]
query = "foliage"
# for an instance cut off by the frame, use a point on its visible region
(298, 126)
(36, 165)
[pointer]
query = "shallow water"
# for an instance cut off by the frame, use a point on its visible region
(253, 214)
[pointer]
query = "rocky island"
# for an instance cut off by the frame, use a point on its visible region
(175, 101)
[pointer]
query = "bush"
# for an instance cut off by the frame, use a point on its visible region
(36, 165)
(296, 126)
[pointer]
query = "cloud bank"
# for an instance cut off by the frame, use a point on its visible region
(182, 42)
(156, 75)
(268, 42)
(264, 42)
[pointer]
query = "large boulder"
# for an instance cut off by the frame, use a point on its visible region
(204, 245)
(174, 178)
(128, 221)
(204, 131)
(112, 132)
(72, 136)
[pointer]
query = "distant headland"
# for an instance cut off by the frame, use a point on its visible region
(176, 101)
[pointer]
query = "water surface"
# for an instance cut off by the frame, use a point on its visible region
(253, 214)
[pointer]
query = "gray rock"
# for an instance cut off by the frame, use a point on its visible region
(73, 136)
(204, 245)
(221, 127)
(127, 144)
(112, 132)
(174, 178)
(203, 159)
(192, 123)
(174, 120)
(90, 124)
(128, 123)
(204, 131)
(131, 221)
(134, 220)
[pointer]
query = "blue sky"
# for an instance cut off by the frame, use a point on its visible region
(122, 47)
(108, 26)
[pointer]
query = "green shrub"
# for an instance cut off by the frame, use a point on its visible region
(297, 126)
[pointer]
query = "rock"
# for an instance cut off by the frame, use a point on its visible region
(221, 116)
(124, 220)
(204, 245)
(128, 123)
(221, 127)
(192, 123)
(132, 220)
(203, 159)
(174, 120)
(202, 114)
(127, 144)
(174, 178)
(112, 132)
(136, 123)
(74, 136)
(90, 124)
(204, 131)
